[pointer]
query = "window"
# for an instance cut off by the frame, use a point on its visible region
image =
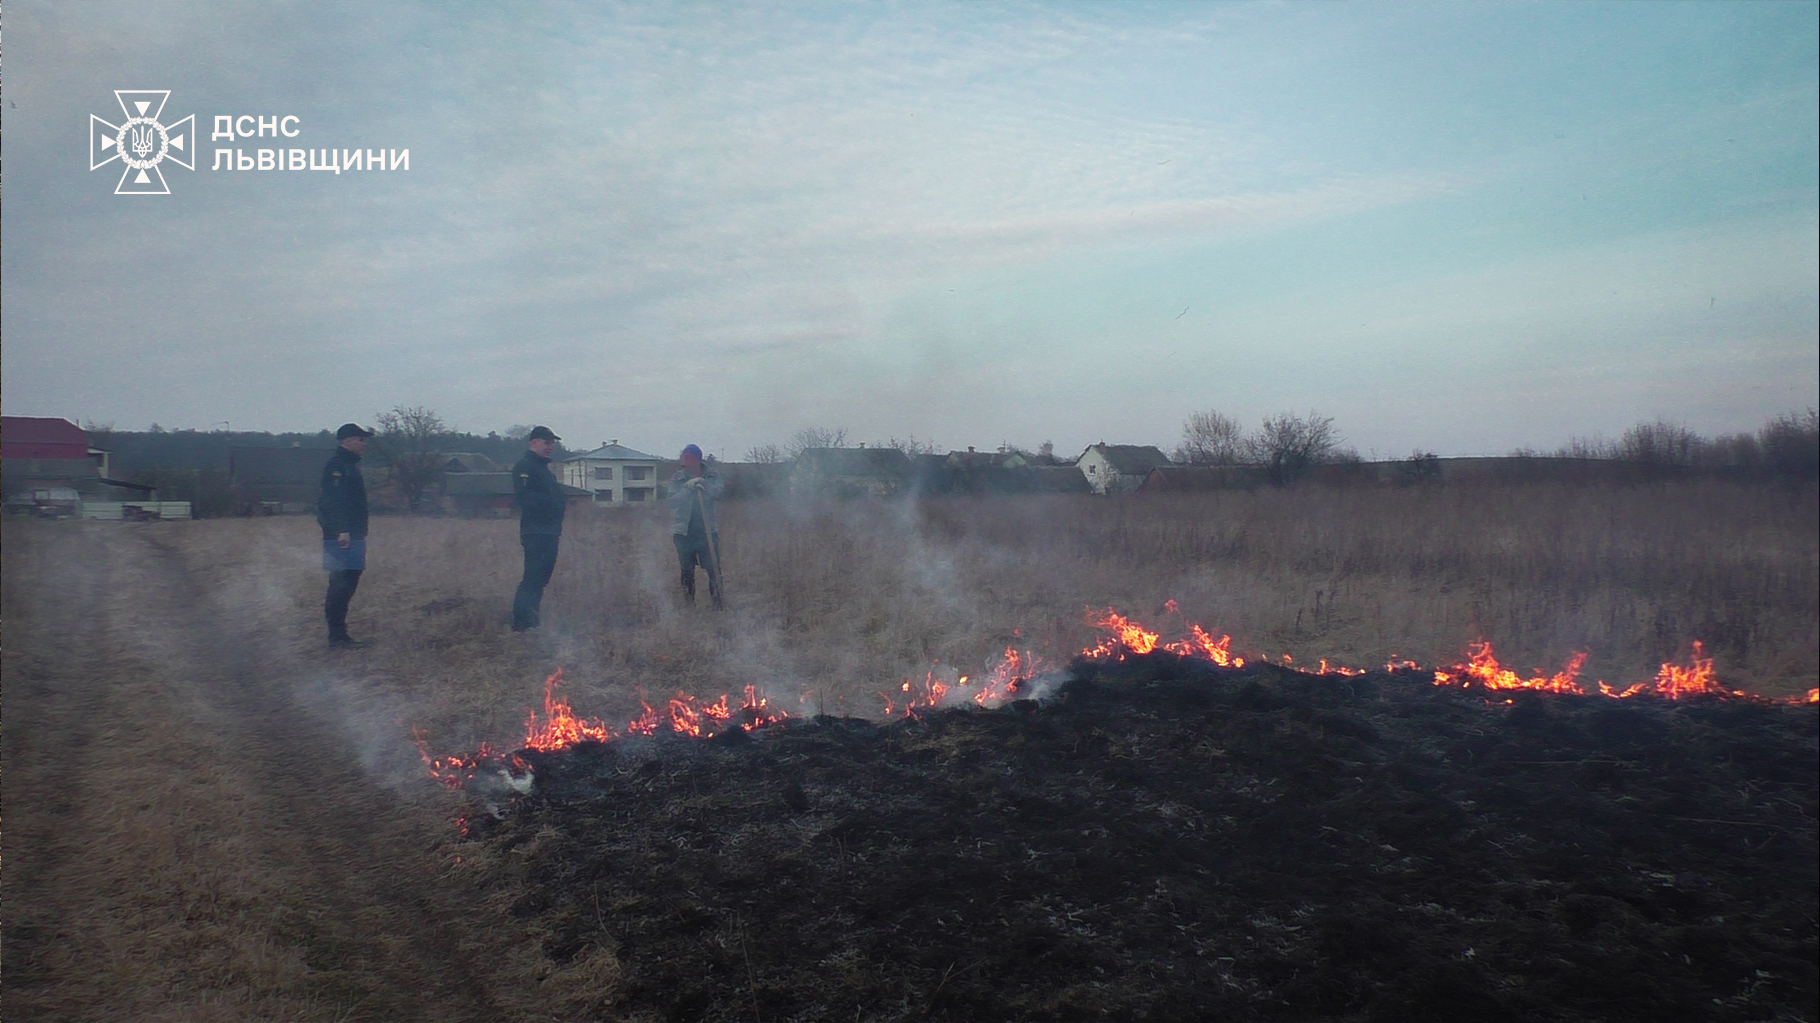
(638, 472)
(603, 472)
(604, 496)
(637, 494)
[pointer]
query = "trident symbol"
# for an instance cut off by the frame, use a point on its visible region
(142, 142)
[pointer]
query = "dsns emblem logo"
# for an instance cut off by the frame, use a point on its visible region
(141, 142)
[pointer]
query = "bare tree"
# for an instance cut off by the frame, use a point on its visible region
(1587, 447)
(815, 437)
(1791, 444)
(100, 435)
(766, 453)
(1210, 438)
(1661, 443)
(411, 440)
(518, 431)
(1289, 445)
(910, 446)
(1420, 467)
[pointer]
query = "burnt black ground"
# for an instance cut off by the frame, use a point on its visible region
(1167, 840)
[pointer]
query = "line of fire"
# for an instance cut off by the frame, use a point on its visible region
(1015, 674)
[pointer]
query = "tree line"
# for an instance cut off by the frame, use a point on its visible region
(412, 443)
(1287, 445)
(1787, 446)
(410, 448)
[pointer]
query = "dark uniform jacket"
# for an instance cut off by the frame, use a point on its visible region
(540, 498)
(342, 505)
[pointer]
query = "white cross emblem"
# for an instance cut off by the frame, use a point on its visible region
(141, 142)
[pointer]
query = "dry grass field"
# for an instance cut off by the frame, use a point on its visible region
(210, 816)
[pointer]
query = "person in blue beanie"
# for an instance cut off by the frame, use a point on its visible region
(695, 489)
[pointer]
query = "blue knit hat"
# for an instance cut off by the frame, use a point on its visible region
(691, 450)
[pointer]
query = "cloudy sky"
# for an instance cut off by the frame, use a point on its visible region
(1463, 228)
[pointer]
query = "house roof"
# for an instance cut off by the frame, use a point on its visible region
(1055, 479)
(468, 461)
(854, 461)
(41, 430)
(986, 459)
(1130, 459)
(41, 437)
(614, 451)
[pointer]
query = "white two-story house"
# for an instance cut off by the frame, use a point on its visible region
(614, 474)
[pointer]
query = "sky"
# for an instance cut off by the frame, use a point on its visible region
(1459, 228)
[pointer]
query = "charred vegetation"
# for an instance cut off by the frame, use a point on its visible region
(1168, 839)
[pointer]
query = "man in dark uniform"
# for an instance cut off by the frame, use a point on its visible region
(341, 511)
(694, 491)
(540, 508)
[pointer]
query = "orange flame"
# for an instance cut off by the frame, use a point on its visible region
(1128, 636)
(560, 727)
(1003, 681)
(644, 724)
(1483, 667)
(1675, 682)
(454, 771)
(1200, 644)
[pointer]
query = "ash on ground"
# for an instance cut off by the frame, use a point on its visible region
(1166, 840)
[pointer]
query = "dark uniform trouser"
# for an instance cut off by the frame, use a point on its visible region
(540, 562)
(692, 550)
(342, 583)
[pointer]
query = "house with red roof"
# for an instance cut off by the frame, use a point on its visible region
(43, 448)
(47, 467)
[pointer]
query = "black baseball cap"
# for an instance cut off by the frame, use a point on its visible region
(541, 433)
(351, 430)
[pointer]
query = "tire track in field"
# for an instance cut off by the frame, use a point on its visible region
(184, 841)
(47, 737)
(373, 889)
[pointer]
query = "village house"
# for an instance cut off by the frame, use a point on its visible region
(1003, 458)
(1005, 471)
(1119, 468)
(615, 474)
(850, 472)
(468, 461)
(48, 468)
(50, 448)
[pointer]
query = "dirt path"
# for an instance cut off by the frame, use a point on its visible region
(184, 838)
